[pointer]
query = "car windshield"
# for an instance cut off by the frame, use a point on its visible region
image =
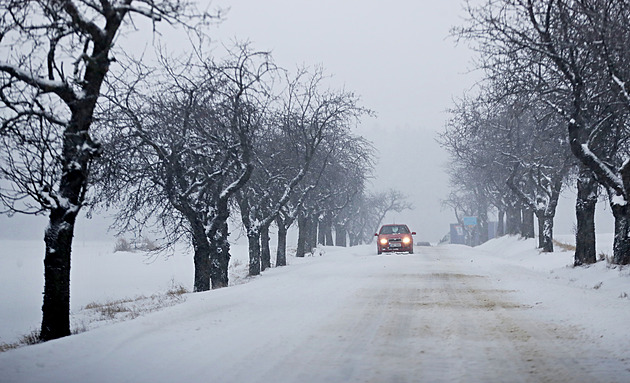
(400, 229)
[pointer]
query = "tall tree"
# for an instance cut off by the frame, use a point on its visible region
(55, 57)
(583, 44)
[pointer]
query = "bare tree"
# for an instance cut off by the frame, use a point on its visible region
(540, 163)
(311, 120)
(389, 201)
(346, 177)
(56, 55)
(581, 47)
(362, 215)
(183, 147)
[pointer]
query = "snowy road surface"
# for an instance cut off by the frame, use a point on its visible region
(444, 314)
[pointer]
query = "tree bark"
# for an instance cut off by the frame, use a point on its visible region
(78, 151)
(265, 252)
(585, 252)
(220, 257)
(541, 228)
(340, 235)
(312, 234)
(513, 220)
(201, 258)
(302, 236)
(353, 239)
(548, 234)
(253, 240)
(483, 227)
(482, 215)
(281, 252)
(621, 245)
(545, 233)
(321, 233)
(56, 306)
(501, 223)
(328, 235)
(325, 231)
(527, 226)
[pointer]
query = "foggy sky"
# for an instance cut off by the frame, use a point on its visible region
(397, 55)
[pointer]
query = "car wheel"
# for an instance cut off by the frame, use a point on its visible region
(410, 251)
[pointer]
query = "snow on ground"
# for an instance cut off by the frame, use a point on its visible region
(294, 314)
(594, 298)
(98, 274)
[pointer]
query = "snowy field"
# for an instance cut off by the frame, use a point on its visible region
(498, 312)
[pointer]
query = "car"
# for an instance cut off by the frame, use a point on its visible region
(394, 238)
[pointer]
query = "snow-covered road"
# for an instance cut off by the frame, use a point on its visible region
(444, 314)
(428, 318)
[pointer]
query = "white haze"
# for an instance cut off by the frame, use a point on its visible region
(397, 55)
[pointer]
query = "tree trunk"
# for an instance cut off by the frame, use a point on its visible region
(201, 258)
(353, 239)
(585, 252)
(312, 234)
(527, 226)
(325, 230)
(302, 236)
(483, 227)
(340, 235)
(500, 224)
(621, 245)
(328, 235)
(253, 240)
(220, 257)
(541, 228)
(56, 307)
(621, 212)
(482, 216)
(545, 232)
(281, 252)
(513, 220)
(321, 232)
(253, 234)
(60, 231)
(265, 252)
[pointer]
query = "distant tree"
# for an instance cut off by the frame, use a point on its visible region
(477, 170)
(55, 57)
(390, 201)
(346, 177)
(311, 121)
(338, 173)
(365, 212)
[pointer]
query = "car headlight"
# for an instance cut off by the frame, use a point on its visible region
(406, 240)
(383, 241)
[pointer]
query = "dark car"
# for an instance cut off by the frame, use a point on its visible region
(394, 238)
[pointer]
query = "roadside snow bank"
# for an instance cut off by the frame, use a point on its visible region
(608, 280)
(592, 298)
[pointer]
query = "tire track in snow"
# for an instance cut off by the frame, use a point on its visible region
(427, 318)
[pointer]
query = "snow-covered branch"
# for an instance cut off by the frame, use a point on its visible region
(63, 90)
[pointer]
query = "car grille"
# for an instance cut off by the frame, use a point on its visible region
(395, 240)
